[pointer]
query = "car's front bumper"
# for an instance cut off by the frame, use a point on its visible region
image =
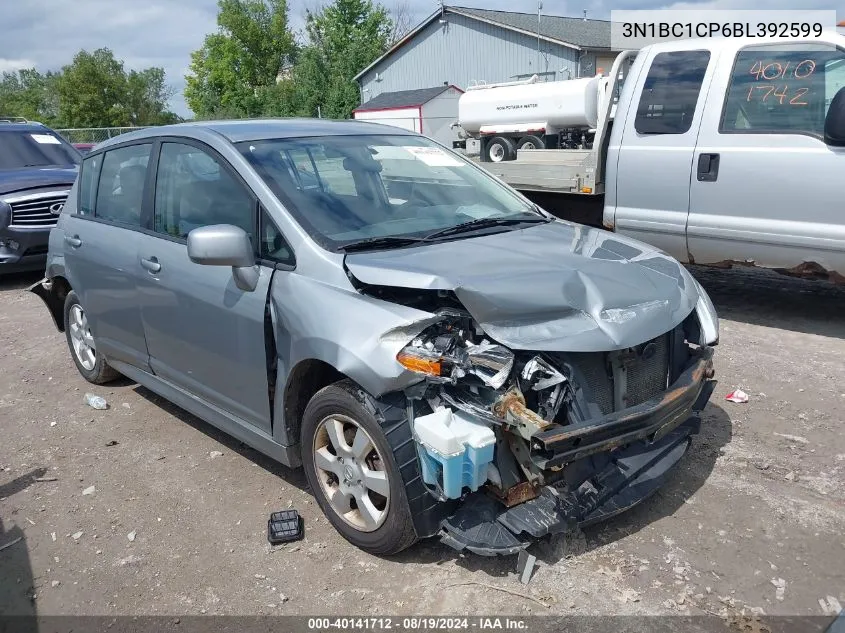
(483, 526)
(621, 459)
(28, 251)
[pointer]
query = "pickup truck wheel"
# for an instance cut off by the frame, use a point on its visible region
(83, 347)
(352, 472)
(500, 149)
(531, 142)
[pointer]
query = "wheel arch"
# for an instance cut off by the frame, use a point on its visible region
(53, 293)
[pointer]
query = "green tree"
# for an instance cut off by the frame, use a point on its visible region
(29, 94)
(343, 38)
(237, 70)
(96, 91)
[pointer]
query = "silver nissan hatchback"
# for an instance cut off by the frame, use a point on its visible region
(443, 357)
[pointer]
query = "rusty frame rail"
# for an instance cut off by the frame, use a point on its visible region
(558, 445)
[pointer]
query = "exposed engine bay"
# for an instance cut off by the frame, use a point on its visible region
(510, 425)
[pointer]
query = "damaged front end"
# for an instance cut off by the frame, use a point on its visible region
(536, 443)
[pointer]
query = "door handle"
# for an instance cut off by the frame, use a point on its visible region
(151, 264)
(73, 241)
(708, 167)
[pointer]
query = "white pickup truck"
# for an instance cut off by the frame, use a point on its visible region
(716, 151)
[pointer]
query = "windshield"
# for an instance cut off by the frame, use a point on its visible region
(345, 189)
(20, 149)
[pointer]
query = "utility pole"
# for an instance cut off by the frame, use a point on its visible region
(539, 8)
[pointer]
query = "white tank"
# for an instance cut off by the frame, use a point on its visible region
(520, 106)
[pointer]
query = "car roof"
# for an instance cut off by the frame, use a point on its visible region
(236, 131)
(23, 127)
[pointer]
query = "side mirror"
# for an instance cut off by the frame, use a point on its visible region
(225, 245)
(834, 123)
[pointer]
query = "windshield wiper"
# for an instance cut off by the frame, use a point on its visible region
(387, 241)
(483, 223)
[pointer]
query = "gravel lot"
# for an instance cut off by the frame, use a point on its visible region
(154, 512)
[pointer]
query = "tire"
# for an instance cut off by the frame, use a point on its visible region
(531, 142)
(386, 527)
(500, 148)
(83, 348)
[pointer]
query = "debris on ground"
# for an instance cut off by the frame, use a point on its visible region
(525, 566)
(793, 438)
(77, 535)
(55, 583)
(90, 490)
(830, 605)
(10, 543)
(125, 405)
(790, 476)
(130, 561)
(112, 443)
(44, 479)
(131, 535)
(629, 595)
(214, 454)
(53, 536)
(96, 402)
(283, 597)
(284, 527)
(737, 395)
(780, 587)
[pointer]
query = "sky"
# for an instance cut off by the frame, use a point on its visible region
(47, 33)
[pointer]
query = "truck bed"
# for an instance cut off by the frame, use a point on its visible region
(546, 170)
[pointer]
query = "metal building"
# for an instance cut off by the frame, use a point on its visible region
(461, 46)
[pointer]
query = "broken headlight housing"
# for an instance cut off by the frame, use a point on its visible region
(448, 351)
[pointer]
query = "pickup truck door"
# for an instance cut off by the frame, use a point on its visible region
(767, 189)
(653, 156)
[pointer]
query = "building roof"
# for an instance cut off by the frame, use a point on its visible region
(577, 33)
(402, 99)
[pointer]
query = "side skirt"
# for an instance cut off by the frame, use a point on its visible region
(237, 428)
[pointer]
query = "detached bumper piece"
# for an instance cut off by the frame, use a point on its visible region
(483, 526)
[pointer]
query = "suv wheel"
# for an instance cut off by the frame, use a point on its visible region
(83, 348)
(352, 472)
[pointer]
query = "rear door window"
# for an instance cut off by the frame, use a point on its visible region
(782, 89)
(120, 191)
(671, 92)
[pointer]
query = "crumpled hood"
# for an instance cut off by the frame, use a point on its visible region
(12, 180)
(550, 287)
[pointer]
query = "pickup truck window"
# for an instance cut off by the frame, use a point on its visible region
(670, 93)
(783, 89)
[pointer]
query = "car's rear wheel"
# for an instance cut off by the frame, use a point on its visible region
(352, 472)
(83, 347)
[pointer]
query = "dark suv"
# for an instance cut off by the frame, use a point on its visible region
(37, 170)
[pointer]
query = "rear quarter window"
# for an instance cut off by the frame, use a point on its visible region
(89, 172)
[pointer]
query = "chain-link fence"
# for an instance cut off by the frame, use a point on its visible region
(93, 134)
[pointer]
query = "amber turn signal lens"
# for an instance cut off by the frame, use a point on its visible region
(419, 364)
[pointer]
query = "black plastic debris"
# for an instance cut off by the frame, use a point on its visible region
(284, 527)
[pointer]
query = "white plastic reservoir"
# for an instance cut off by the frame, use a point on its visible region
(550, 105)
(456, 450)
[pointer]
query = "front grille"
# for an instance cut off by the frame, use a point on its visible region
(648, 372)
(37, 209)
(646, 375)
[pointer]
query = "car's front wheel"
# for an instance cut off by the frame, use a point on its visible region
(352, 472)
(83, 347)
